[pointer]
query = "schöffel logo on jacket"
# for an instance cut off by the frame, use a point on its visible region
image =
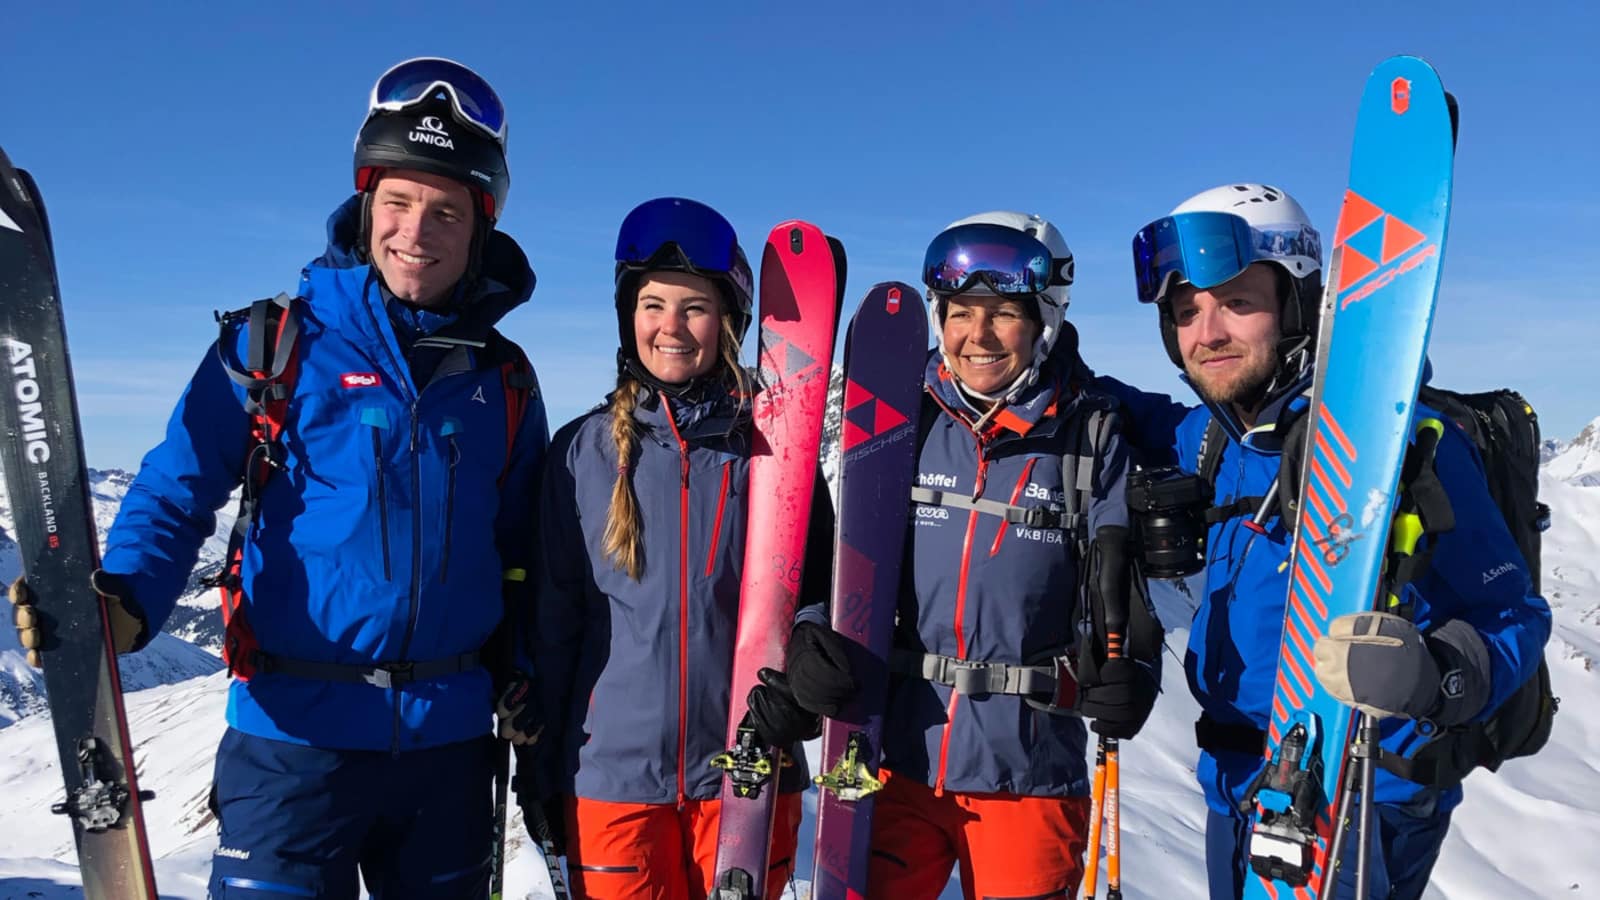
(360, 379)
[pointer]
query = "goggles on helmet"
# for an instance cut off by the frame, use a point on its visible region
(702, 239)
(1209, 248)
(1008, 261)
(419, 80)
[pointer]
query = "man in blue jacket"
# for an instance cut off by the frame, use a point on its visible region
(1245, 342)
(370, 576)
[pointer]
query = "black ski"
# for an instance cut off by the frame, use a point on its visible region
(45, 477)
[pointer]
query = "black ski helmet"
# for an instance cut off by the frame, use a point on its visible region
(438, 116)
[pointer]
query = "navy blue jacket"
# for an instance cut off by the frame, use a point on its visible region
(637, 673)
(1477, 574)
(978, 588)
(373, 462)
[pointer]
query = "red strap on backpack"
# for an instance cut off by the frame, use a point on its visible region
(271, 369)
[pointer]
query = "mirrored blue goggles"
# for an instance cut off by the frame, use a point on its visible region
(1203, 248)
(417, 80)
(702, 237)
(1005, 259)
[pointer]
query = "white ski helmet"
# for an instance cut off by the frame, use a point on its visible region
(1050, 302)
(1280, 233)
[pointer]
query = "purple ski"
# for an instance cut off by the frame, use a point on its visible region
(878, 446)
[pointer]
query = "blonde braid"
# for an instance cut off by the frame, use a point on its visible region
(623, 540)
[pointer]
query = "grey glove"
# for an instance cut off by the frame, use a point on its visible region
(1380, 664)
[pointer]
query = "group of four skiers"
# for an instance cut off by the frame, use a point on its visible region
(414, 507)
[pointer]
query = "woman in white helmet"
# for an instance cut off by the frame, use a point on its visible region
(1020, 485)
(1236, 275)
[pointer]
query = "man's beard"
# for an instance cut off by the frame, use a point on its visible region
(1243, 388)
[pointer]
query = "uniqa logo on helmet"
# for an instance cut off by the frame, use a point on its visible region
(430, 130)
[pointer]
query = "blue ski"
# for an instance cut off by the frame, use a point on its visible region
(1377, 311)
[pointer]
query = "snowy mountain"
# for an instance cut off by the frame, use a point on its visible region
(1520, 833)
(1578, 462)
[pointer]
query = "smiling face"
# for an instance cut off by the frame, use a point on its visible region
(676, 324)
(421, 235)
(987, 340)
(1228, 335)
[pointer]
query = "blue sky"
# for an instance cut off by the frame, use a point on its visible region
(190, 154)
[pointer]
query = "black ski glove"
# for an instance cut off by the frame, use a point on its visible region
(818, 663)
(779, 719)
(520, 717)
(1121, 698)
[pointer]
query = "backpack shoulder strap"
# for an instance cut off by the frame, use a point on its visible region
(1091, 427)
(1208, 462)
(268, 374)
(520, 385)
(1209, 457)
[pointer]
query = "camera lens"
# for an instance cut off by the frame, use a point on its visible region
(1168, 508)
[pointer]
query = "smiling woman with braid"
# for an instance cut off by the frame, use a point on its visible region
(643, 534)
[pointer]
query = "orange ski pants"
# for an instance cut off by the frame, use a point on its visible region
(660, 851)
(1007, 846)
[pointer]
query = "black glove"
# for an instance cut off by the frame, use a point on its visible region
(779, 719)
(518, 711)
(1120, 700)
(818, 664)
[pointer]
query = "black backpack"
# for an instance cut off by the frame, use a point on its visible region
(1505, 429)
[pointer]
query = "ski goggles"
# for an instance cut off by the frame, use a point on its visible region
(657, 229)
(1008, 261)
(418, 80)
(1203, 248)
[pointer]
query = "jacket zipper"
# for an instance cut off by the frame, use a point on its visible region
(716, 528)
(683, 596)
(961, 611)
(376, 420)
(416, 540)
(449, 506)
(1016, 494)
(961, 649)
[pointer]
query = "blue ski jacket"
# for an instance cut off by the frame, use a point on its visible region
(978, 588)
(637, 674)
(384, 536)
(1476, 574)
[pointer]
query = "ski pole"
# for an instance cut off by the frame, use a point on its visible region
(1113, 808)
(540, 828)
(1107, 788)
(1097, 796)
(1368, 729)
(497, 852)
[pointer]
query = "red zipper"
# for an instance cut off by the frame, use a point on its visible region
(961, 649)
(683, 594)
(716, 527)
(1016, 494)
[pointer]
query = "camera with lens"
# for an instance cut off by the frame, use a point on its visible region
(1168, 509)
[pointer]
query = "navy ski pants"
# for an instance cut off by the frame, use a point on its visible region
(299, 821)
(1404, 846)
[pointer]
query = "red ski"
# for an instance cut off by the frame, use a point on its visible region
(799, 303)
